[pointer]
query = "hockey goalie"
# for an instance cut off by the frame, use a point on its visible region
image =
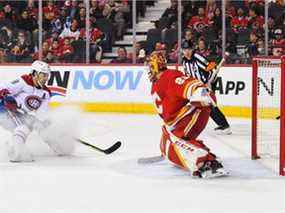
(184, 105)
(24, 108)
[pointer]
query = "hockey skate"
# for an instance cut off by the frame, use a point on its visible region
(223, 130)
(212, 169)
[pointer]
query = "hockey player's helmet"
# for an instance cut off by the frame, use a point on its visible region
(40, 67)
(157, 64)
(40, 72)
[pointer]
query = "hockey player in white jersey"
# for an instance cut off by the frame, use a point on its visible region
(23, 107)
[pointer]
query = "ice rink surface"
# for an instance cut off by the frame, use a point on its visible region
(90, 182)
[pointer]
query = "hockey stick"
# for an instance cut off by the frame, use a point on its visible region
(107, 151)
(217, 69)
(149, 160)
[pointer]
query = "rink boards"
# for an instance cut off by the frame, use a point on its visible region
(127, 89)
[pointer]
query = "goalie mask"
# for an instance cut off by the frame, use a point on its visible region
(156, 63)
(40, 72)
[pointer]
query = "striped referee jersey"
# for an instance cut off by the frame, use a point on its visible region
(196, 67)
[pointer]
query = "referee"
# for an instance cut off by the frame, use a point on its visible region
(197, 66)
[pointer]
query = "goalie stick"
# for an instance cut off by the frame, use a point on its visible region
(107, 151)
(149, 160)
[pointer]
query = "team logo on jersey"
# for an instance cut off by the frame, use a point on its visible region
(33, 102)
(180, 80)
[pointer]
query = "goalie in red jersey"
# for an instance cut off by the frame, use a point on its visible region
(184, 105)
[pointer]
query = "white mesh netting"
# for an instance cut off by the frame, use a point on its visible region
(268, 109)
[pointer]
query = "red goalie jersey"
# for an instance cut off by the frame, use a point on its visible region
(172, 94)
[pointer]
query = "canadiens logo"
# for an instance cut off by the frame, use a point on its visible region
(33, 102)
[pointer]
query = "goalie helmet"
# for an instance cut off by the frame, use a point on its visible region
(157, 64)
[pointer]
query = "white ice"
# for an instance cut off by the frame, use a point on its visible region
(90, 182)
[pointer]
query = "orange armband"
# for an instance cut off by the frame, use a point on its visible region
(211, 66)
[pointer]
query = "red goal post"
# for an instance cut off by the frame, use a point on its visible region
(268, 103)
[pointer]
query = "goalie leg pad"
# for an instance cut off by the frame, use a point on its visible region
(16, 148)
(189, 155)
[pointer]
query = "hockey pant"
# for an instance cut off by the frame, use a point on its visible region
(190, 127)
(189, 155)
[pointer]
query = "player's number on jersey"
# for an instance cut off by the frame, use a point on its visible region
(180, 80)
(157, 102)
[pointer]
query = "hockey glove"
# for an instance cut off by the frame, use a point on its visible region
(3, 93)
(10, 103)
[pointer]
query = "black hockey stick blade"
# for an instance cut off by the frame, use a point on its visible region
(107, 151)
(278, 117)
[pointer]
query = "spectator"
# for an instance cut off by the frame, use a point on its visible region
(122, 56)
(9, 13)
(278, 43)
(50, 12)
(71, 32)
(56, 51)
(141, 57)
(26, 23)
(217, 20)
(188, 36)
(82, 18)
(255, 21)
(260, 47)
(5, 40)
(202, 49)
(140, 53)
(251, 48)
(73, 9)
(199, 22)
(96, 50)
(160, 47)
(173, 55)
(67, 50)
(276, 8)
(120, 8)
(46, 55)
(210, 9)
(239, 22)
(187, 12)
(95, 11)
(171, 12)
(20, 48)
(271, 27)
(3, 58)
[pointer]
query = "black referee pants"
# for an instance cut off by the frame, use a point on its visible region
(218, 117)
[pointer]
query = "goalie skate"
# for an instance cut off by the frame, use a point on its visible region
(212, 169)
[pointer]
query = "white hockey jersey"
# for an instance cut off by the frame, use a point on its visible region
(29, 97)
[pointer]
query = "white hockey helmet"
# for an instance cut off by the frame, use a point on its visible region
(40, 67)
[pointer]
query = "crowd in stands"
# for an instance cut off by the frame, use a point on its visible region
(64, 30)
(64, 36)
(202, 24)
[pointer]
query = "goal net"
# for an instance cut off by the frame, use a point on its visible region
(268, 107)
